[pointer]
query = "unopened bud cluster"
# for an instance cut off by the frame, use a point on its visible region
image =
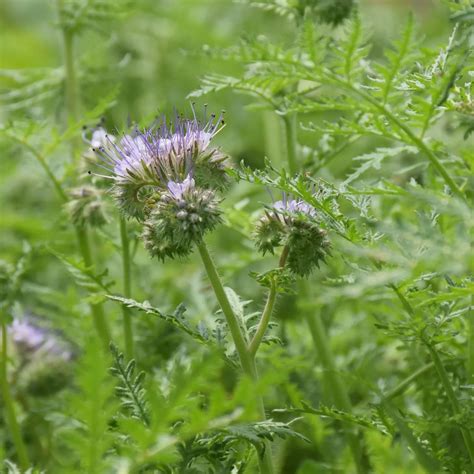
(294, 224)
(86, 206)
(181, 217)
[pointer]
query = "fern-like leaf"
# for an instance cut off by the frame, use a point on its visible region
(130, 390)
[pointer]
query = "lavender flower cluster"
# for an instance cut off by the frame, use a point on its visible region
(167, 176)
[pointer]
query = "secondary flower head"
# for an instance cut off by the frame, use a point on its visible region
(31, 340)
(86, 206)
(44, 359)
(144, 162)
(293, 223)
(181, 217)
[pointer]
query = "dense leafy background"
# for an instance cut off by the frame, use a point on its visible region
(379, 104)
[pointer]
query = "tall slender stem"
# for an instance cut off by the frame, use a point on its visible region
(247, 361)
(127, 288)
(9, 406)
(97, 310)
(336, 387)
(268, 310)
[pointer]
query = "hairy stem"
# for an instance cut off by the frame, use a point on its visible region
(8, 404)
(97, 310)
(247, 361)
(127, 284)
(268, 310)
(336, 387)
(443, 376)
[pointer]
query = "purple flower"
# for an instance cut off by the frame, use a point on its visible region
(178, 189)
(162, 152)
(294, 206)
(31, 339)
(27, 336)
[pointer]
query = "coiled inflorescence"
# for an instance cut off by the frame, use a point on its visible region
(294, 224)
(180, 218)
(167, 177)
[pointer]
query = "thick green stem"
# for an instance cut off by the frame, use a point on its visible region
(126, 268)
(291, 142)
(336, 387)
(9, 406)
(247, 361)
(443, 375)
(97, 310)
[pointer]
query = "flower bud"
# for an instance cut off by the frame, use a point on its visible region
(86, 206)
(180, 218)
(293, 223)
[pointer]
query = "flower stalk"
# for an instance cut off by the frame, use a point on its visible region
(247, 359)
(97, 309)
(268, 310)
(126, 274)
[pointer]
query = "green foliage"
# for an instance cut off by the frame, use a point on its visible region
(86, 434)
(373, 109)
(130, 390)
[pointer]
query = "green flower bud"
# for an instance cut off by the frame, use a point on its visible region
(293, 224)
(180, 218)
(86, 206)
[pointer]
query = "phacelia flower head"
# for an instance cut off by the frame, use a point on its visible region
(44, 359)
(293, 223)
(181, 217)
(144, 162)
